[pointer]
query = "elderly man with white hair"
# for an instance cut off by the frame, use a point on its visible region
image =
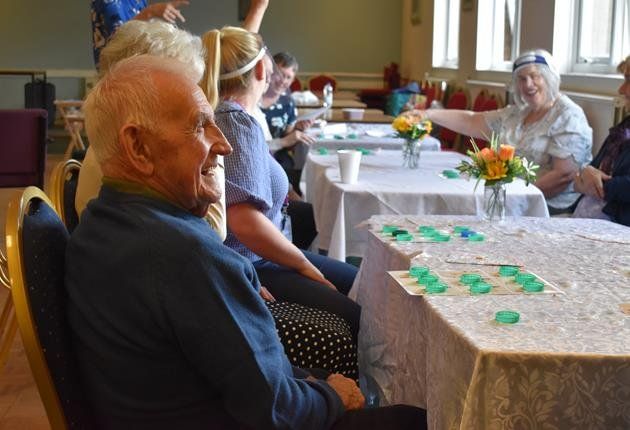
(170, 331)
(544, 126)
(169, 328)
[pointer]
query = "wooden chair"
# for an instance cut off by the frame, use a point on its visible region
(8, 322)
(36, 243)
(22, 147)
(317, 83)
(63, 189)
(457, 100)
(73, 121)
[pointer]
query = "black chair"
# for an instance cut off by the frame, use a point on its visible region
(36, 241)
(63, 189)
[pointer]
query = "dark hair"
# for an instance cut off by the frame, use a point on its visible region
(284, 59)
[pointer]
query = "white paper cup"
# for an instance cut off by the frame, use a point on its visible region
(349, 161)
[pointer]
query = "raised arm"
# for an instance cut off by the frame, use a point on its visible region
(255, 15)
(252, 228)
(461, 121)
(168, 11)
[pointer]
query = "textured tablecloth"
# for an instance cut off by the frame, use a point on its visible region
(565, 365)
(385, 187)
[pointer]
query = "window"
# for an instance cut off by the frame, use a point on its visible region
(446, 34)
(498, 31)
(601, 35)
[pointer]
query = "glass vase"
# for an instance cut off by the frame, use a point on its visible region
(494, 202)
(411, 153)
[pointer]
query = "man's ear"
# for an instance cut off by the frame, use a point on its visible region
(136, 152)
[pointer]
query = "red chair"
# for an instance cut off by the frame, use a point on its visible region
(480, 100)
(318, 83)
(22, 147)
(376, 98)
(457, 100)
(296, 85)
(489, 103)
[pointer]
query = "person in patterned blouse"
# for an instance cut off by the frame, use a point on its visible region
(108, 15)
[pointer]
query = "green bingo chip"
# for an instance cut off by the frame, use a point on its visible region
(389, 228)
(417, 271)
(439, 237)
(404, 237)
(469, 278)
(427, 279)
(436, 288)
(476, 237)
(450, 174)
(399, 231)
(507, 317)
(533, 286)
(522, 278)
(426, 229)
(459, 228)
(508, 270)
(322, 151)
(480, 287)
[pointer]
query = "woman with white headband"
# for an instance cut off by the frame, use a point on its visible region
(545, 126)
(256, 186)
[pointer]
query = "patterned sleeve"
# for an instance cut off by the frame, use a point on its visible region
(247, 178)
(571, 136)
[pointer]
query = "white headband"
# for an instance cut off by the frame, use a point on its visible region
(246, 68)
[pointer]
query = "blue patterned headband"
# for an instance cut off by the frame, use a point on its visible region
(529, 59)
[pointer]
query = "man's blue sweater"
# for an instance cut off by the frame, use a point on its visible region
(169, 329)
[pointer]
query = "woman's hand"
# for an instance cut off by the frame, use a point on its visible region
(296, 136)
(591, 182)
(266, 295)
(313, 273)
(168, 11)
(304, 124)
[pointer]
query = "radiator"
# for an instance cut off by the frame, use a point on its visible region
(602, 112)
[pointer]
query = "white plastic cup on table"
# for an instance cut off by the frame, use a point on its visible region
(349, 162)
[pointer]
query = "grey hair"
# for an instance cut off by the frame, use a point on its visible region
(153, 37)
(127, 94)
(548, 72)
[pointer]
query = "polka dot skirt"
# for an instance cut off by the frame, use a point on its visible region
(315, 338)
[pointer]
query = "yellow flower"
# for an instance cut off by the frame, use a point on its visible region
(428, 126)
(402, 124)
(495, 170)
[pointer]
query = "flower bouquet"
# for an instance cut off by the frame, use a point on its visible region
(497, 165)
(412, 129)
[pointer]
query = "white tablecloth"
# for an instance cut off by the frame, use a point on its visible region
(385, 187)
(368, 136)
(565, 365)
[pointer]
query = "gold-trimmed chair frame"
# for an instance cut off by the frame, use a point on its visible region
(18, 207)
(56, 185)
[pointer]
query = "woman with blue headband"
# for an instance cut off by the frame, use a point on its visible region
(543, 125)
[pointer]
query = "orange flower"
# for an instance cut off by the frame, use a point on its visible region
(487, 155)
(495, 170)
(506, 152)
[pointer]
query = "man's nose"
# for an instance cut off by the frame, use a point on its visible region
(220, 145)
